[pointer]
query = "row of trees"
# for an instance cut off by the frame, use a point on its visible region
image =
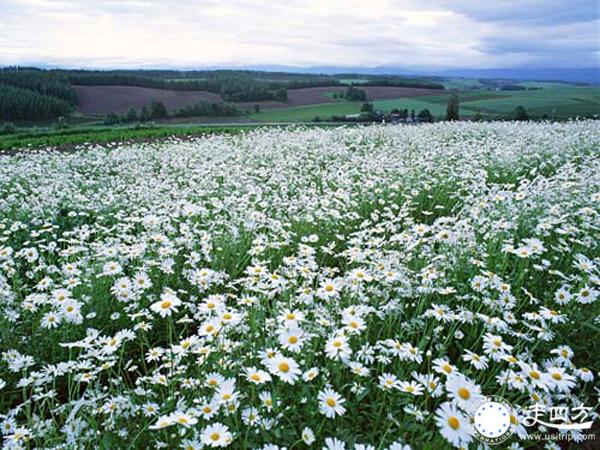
(232, 86)
(43, 82)
(354, 94)
(157, 110)
(24, 104)
(208, 109)
(32, 94)
(234, 89)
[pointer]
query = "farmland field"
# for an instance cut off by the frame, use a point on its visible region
(118, 99)
(356, 288)
(555, 100)
(559, 100)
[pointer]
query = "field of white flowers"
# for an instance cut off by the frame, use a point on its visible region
(353, 288)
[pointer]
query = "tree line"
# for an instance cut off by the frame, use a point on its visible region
(43, 82)
(236, 89)
(157, 110)
(34, 94)
(22, 104)
(48, 94)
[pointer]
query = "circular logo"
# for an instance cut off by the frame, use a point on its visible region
(490, 419)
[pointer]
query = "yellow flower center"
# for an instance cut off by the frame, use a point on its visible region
(215, 437)
(331, 402)
(535, 375)
(464, 393)
(284, 367)
(166, 304)
(453, 422)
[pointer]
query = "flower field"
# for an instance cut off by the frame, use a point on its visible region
(351, 288)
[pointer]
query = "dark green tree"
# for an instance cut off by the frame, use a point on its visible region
(158, 110)
(62, 123)
(19, 103)
(281, 95)
(8, 128)
(355, 95)
(111, 119)
(521, 113)
(131, 116)
(452, 108)
(367, 107)
(425, 116)
(144, 115)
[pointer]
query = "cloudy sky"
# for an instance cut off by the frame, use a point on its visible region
(351, 33)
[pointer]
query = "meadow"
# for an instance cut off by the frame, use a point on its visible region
(286, 288)
(552, 100)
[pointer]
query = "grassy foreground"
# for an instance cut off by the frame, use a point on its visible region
(101, 135)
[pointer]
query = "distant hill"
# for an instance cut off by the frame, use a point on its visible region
(588, 75)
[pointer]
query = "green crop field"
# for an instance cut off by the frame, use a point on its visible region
(307, 113)
(556, 99)
(105, 135)
(565, 101)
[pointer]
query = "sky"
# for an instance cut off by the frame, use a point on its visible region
(301, 33)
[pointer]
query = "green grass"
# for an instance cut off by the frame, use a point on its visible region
(307, 113)
(461, 83)
(101, 135)
(353, 80)
(565, 100)
(543, 84)
(34, 138)
(557, 100)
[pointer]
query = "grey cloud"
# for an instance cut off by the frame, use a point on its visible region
(434, 33)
